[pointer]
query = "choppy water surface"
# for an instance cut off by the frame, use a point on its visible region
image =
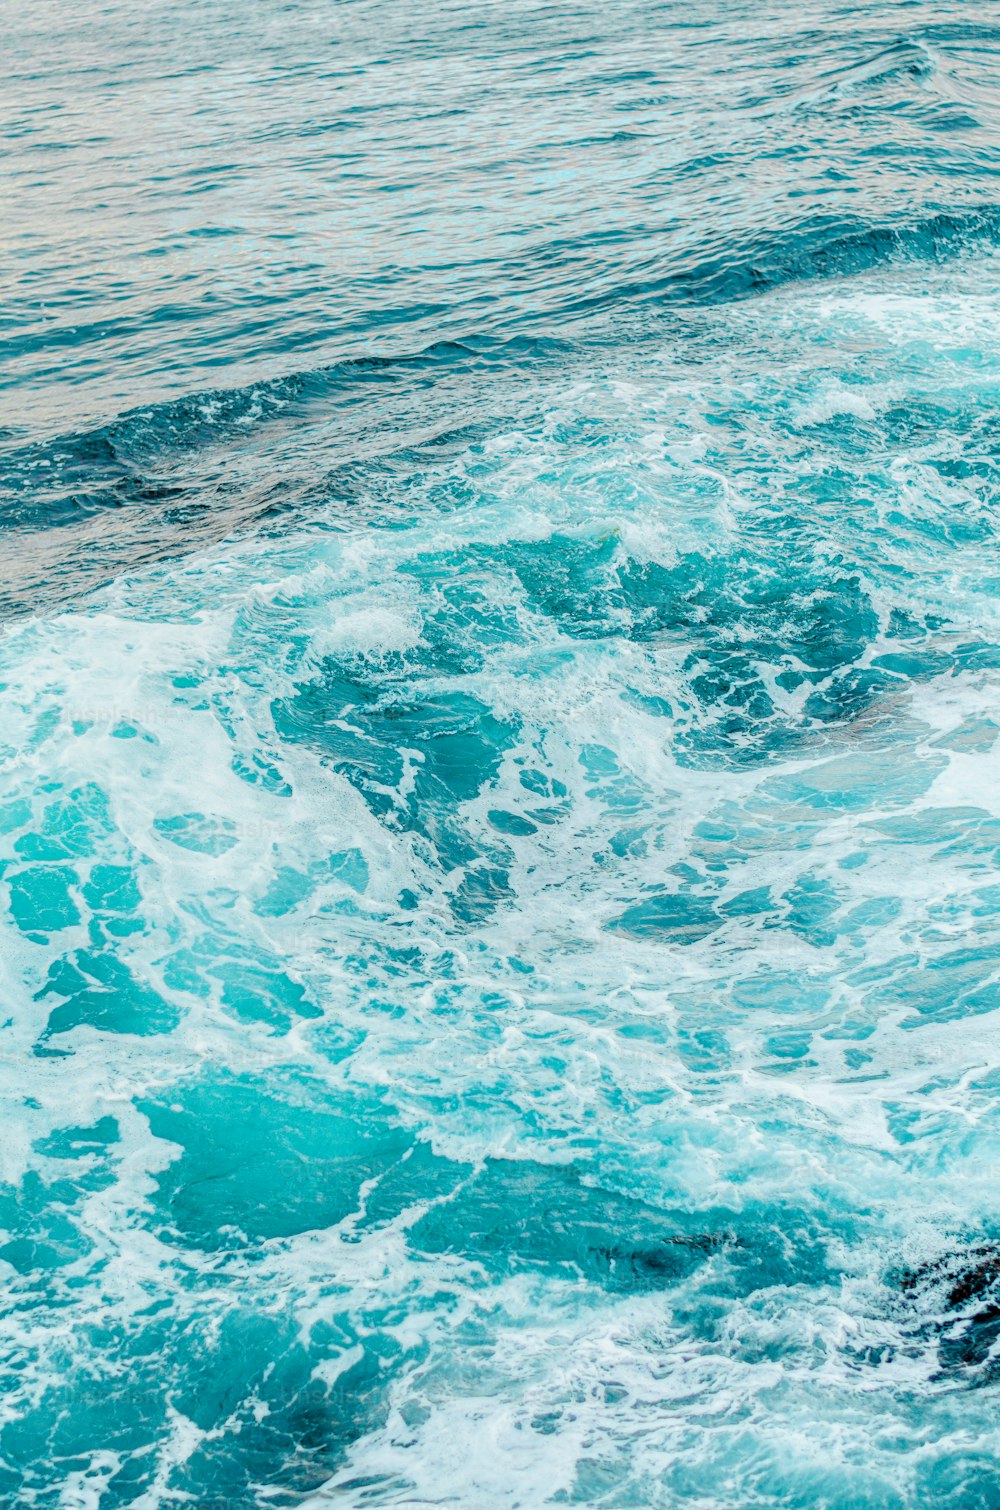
(500, 974)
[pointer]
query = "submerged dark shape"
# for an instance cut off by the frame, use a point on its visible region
(635, 1269)
(514, 1215)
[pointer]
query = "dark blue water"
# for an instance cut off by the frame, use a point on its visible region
(499, 761)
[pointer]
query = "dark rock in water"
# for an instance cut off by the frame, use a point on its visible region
(961, 1280)
(959, 1296)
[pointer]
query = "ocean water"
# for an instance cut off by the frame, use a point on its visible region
(500, 755)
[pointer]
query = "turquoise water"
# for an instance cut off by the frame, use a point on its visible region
(499, 759)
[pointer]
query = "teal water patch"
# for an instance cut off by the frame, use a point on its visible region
(256, 1164)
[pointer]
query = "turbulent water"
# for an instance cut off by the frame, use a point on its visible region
(499, 757)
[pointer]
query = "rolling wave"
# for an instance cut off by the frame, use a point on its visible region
(162, 480)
